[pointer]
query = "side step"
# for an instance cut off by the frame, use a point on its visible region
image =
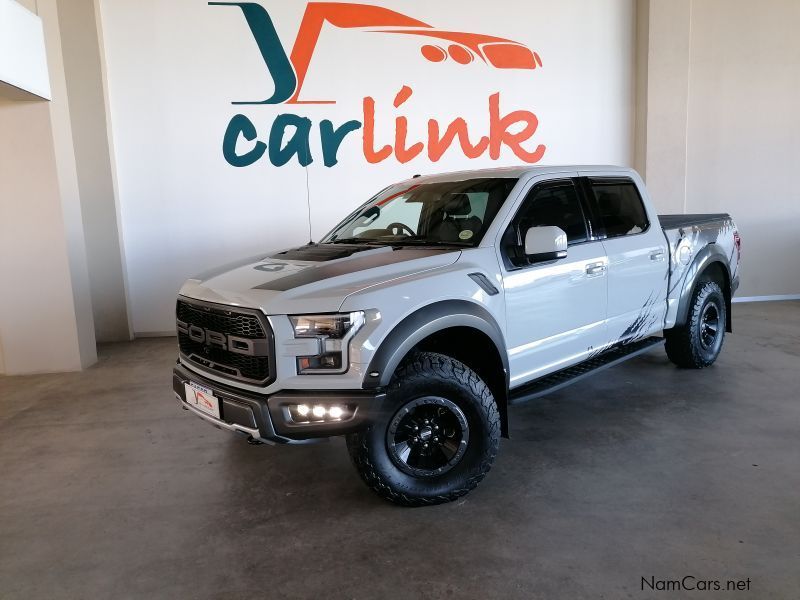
(564, 377)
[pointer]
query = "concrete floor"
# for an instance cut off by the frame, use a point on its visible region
(109, 490)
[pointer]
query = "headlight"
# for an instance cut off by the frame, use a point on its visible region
(334, 332)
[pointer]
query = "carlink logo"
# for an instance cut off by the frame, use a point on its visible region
(288, 72)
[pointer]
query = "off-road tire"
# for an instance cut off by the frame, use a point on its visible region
(428, 374)
(684, 344)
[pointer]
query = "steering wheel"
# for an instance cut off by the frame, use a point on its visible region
(401, 229)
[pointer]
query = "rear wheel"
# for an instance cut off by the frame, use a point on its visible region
(437, 439)
(698, 342)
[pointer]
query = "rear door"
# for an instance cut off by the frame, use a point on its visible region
(637, 254)
(555, 310)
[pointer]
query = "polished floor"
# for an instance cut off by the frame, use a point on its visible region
(109, 490)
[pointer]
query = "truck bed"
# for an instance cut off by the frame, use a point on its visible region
(676, 221)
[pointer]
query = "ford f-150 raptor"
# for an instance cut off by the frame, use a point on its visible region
(417, 322)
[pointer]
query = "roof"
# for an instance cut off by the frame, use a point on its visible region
(514, 172)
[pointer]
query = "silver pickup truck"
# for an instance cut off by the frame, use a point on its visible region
(420, 319)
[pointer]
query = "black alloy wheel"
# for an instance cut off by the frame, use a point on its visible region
(696, 344)
(709, 326)
(428, 436)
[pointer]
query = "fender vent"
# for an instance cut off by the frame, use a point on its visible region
(483, 281)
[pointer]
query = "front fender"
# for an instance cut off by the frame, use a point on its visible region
(424, 322)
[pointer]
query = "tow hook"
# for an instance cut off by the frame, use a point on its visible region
(253, 441)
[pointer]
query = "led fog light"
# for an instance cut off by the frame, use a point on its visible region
(305, 414)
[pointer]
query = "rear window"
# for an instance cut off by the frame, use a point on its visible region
(620, 206)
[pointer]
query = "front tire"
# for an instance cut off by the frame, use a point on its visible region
(697, 343)
(437, 439)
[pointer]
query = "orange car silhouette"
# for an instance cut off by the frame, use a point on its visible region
(461, 47)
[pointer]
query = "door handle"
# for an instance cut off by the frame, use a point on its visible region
(657, 255)
(595, 268)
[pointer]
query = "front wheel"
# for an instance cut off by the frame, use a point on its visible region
(698, 342)
(438, 438)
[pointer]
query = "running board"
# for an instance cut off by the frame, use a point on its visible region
(564, 377)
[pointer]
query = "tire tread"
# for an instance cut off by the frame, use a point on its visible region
(680, 342)
(422, 365)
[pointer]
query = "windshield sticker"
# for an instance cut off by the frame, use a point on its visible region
(397, 195)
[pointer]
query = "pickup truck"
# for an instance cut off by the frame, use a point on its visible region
(429, 311)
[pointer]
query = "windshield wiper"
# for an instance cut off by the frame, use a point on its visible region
(407, 241)
(354, 240)
(419, 241)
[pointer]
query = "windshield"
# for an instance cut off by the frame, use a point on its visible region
(447, 213)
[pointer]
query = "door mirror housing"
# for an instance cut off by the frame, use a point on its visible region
(547, 242)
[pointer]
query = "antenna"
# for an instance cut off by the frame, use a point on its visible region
(308, 191)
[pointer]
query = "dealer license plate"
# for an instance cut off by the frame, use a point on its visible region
(202, 399)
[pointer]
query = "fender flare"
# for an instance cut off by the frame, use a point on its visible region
(707, 256)
(424, 322)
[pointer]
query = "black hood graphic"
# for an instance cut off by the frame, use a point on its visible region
(338, 260)
(321, 252)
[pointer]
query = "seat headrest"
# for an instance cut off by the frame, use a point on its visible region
(458, 205)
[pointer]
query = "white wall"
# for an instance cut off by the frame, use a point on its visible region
(744, 132)
(668, 55)
(37, 307)
(723, 126)
(23, 65)
(175, 67)
(45, 306)
(80, 40)
(66, 172)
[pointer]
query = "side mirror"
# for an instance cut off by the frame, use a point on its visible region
(545, 243)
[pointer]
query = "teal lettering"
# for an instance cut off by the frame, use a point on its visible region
(298, 144)
(332, 138)
(241, 125)
(269, 44)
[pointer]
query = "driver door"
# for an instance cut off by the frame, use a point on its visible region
(555, 310)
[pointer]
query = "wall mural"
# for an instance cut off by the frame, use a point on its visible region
(289, 136)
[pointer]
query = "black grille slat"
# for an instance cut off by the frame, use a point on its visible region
(227, 322)
(249, 367)
(217, 360)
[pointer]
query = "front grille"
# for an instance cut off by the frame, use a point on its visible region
(224, 321)
(204, 337)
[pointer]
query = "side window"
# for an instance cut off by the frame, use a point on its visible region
(552, 204)
(620, 207)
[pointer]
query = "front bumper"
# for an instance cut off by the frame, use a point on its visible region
(265, 418)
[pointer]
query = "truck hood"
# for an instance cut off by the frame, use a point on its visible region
(312, 278)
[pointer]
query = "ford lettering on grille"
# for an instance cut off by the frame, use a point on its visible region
(231, 344)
